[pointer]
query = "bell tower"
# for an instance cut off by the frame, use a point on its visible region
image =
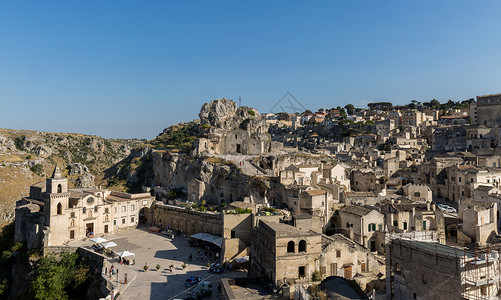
(56, 204)
(56, 183)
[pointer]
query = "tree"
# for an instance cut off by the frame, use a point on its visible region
(350, 108)
(56, 279)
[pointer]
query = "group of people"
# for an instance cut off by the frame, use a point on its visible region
(205, 254)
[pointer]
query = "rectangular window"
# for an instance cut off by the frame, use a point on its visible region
(123, 220)
(115, 222)
(405, 225)
(395, 223)
(459, 179)
(370, 227)
(132, 207)
(132, 219)
(124, 208)
(106, 210)
(114, 210)
(380, 227)
(338, 253)
(72, 214)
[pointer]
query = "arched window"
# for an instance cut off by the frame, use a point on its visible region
(290, 247)
(59, 209)
(302, 246)
(59, 188)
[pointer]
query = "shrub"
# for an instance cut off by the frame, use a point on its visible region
(251, 112)
(37, 169)
(184, 265)
(158, 267)
(28, 156)
(316, 276)
(145, 268)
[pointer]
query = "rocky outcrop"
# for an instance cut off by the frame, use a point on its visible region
(218, 113)
(80, 175)
(224, 114)
(6, 145)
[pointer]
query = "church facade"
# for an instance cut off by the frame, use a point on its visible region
(53, 215)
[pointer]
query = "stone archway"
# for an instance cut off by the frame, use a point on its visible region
(145, 216)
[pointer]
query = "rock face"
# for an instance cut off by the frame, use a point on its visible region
(218, 113)
(26, 157)
(6, 145)
(226, 129)
(80, 175)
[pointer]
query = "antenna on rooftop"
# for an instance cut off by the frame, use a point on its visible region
(239, 101)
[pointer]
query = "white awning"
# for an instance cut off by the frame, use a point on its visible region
(216, 240)
(98, 240)
(109, 244)
(125, 253)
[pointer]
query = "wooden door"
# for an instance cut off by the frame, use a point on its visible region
(347, 272)
(72, 234)
(362, 266)
(334, 269)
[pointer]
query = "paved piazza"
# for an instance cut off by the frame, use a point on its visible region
(155, 248)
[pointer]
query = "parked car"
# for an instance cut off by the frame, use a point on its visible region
(216, 268)
(192, 280)
(202, 290)
(446, 208)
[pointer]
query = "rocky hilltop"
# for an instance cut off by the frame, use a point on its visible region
(26, 157)
(202, 158)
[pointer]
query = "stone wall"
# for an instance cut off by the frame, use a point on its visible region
(187, 221)
(419, 274)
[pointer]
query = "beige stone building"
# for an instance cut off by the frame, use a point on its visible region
(487, 110)
(404, 215)
(479, 222)
(418, 192)
(282, 252)
(361, 224)
(53, 214)
(424, 270)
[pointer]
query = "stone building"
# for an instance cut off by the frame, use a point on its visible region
(282, 252)
(404, 215)
(360, 224)
(487, 110)
(366, 180)
(479, 222)
(423, 270)
(418, 192)
(461, 180)
(54, 214)
(226, 129)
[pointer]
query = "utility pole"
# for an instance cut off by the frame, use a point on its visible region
(239, 101)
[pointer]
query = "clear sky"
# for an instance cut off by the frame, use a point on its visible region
(130, 68)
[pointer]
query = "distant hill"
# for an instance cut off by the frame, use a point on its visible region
(27, 157)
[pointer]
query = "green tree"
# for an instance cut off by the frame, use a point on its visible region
(57, 279)
(350, 108)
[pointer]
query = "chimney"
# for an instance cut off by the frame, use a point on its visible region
(428, 208)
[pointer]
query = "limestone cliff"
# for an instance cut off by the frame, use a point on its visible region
(26, 157)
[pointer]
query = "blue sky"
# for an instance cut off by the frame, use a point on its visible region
(130, 68)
